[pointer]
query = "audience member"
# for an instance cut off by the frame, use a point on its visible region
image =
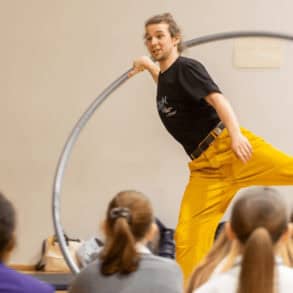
(10, 280)
(125, 264)
(259, 226)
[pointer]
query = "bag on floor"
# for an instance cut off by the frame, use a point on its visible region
(166, 245)
(52, 259)
(89, 251)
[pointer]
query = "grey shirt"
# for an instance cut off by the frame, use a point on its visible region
(154, 275)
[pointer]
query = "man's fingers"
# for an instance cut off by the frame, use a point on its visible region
(244, 152)
(242, 156)
(131, 73)
(242, 148)
(135, 70)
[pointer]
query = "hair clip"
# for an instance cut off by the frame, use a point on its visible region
(120, 212)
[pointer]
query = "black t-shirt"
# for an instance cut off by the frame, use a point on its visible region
(181, 104)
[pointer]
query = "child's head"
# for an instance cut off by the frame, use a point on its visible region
(259, 212)
(129, 220)
(259, 222)
(7, 227)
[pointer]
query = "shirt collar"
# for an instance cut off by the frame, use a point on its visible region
(140, 248)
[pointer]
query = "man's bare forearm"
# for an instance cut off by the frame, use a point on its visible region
(239, 143)
(225, 112)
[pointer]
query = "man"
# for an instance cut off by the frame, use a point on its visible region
(224, 156)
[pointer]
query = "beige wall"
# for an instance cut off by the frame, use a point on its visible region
(57, 56)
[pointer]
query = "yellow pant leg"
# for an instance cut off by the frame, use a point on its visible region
(268, 165)
(194, 236)
(202, 205)
(215, 177)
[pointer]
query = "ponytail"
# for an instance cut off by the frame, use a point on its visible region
(119, 254)
(258, 264)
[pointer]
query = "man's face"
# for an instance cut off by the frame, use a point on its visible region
(159, 42)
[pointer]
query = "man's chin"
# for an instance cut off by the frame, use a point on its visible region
(158, 58)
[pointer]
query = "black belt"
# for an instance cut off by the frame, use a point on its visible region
(206, 142)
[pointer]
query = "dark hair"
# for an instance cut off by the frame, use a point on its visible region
(173, 27)
(129, 218)
(259, 218)
(7, 226)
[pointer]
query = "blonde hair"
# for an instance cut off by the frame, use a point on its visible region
(259, 219)
(204, 270)
(286, 249)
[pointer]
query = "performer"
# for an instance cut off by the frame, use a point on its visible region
(224, 156)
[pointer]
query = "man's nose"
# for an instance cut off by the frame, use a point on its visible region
(154, 41)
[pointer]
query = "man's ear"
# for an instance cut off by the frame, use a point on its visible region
(229, 231)
(177, 40)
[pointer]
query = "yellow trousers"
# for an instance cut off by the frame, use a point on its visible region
(215, 177)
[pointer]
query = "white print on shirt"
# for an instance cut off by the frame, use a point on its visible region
(164, 107)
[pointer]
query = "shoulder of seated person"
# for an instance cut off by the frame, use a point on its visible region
(160, 260)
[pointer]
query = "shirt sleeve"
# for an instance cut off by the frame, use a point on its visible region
(196, 81)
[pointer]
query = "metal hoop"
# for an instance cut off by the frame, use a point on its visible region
(71, 140)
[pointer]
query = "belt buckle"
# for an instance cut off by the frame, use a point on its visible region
(217, 131)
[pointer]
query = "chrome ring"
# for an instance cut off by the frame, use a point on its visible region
(72, 138)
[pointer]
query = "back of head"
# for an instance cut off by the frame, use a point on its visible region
(259, 219)
(7, 226)
(129, 218)
(174, 29)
